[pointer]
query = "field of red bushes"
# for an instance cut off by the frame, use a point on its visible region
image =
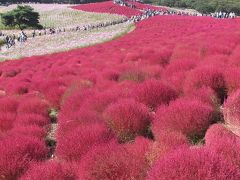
(109, 7)
(162, 102)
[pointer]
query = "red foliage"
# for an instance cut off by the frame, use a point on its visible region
(73, 145)
(127, 119)
(70, 105)
(33, 106)
(180, 65)
(6, 121)
(79, 118)
(206, 95)
(17, 153)
(209, 76)
(232, 80)
(196, 163)
(231, 109)
(32, 119)
(175, 73)
(49, 170)
(112, 161)
(166, 142)
(222, 141)
(30, 131)
(145, 6)
(139, 148)
(8, 104)
(101, 101)
(108, 7)
(191, 117)
(154, 93)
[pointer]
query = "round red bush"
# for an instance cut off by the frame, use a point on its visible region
(49, 170)
(154, 93)
(7, 120)
(193, 164)
(191, 117)
(231, 109)
(166, 142)
(222, 141)
(32, 119)
(33, 106)
(74, 144)
(8, 104)
(111, 162)
(127, 119)
(209, 76)
(29, 131)
(16, 154)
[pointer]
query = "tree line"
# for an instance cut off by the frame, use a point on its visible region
(204, 6)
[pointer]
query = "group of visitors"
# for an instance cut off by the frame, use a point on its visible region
(224, 15)
(11, 40)
(149, 12)
(101, 25)
(124, 3)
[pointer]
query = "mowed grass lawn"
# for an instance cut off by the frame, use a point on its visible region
(55, 15)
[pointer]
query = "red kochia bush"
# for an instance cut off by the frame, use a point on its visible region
(136, 75)
(73, 145)
(111, 162)
(102, 100)
(193, 164)
(127, 118)
(166, 143)
(209, 76)
(16, 154)
(224, 142)
(232, 109)
(49, 170)
(79, 118)
(33, 106)
(6, 121)
(139, 149)
(8, 104)
(216, 133)
(74, 102)
(232, 79)
(191, 117)
(206, 95)
(32, 119)
(30, 131)
(154, 93)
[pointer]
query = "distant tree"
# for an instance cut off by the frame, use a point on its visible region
(21, 17)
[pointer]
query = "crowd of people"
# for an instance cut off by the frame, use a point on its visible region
(11, 40)
(124, 3)
(224, 15)
(149, 13)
